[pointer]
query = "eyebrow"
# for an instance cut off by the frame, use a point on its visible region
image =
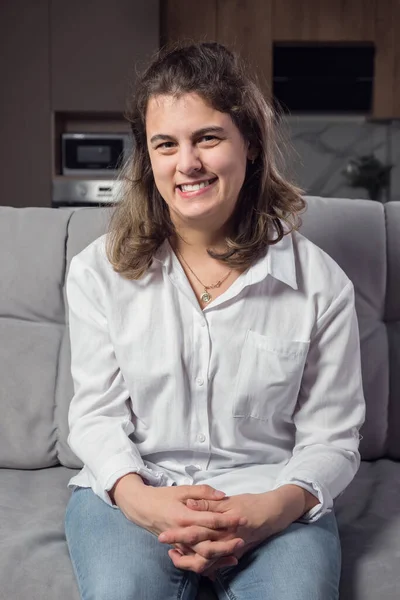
(195, 134)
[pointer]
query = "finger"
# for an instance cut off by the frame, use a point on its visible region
(215, 550)
(226, 561)
(194, 562)
(191, 536)
(210, 520)
(183, 549)
(198, 541)
(188, 535)
(203, 504)
(201, 492)
(207, 505)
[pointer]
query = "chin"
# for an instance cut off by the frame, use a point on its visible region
(198, 216)
(186, 211)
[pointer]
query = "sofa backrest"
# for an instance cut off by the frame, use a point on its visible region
(36, 246)
(354, 233)
(35, 380)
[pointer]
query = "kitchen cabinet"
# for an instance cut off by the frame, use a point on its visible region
(323, 20)
(253, 26)
(241, 25)
(240, 28)
(95, 48)
(387, 60)
(182, 20)
(64, 64)
(25, 140)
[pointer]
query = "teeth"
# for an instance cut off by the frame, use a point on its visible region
(194, 188)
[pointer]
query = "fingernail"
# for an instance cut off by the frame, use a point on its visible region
(242, 521)
(218, 493)
(162, 537)
(193, 502)
(239, 545)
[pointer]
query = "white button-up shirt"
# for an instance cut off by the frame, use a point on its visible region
(259, 389)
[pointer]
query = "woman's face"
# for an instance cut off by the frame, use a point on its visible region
(198, 157)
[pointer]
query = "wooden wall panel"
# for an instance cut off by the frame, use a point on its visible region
(323, 20)
(384, 59)
(357, 19)
(251, 26)
(293, 21)
(396, 60)
(246, 27)
(185, 20)
(239, 24)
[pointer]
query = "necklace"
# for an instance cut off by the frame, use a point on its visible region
(206, 296)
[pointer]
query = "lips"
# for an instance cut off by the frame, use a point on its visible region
(203, 184)
(198, 192)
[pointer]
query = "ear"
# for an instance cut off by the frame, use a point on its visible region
(252, 153)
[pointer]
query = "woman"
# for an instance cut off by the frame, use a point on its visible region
(215, 358)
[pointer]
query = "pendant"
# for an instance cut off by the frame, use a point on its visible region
(205, 297)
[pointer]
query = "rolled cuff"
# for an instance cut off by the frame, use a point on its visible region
(325, 500)
(122, 464)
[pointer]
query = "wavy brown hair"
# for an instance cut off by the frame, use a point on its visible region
(141, 221)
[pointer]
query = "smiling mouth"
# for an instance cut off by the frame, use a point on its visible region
(197, 186)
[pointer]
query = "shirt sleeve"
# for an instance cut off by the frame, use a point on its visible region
(100, 415)
(330, 409)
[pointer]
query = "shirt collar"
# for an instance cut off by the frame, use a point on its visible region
(164, 255)
(279, 262)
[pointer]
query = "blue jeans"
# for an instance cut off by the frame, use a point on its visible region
(114, 559)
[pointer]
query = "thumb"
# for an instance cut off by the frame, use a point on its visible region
(200, 492)
(202, 504)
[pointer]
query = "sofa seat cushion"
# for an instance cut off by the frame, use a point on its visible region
(368, 514)
(34, 560)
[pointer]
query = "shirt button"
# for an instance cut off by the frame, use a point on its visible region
(201, 437)
(200, 380)
(202, 323)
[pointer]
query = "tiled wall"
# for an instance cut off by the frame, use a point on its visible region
(320, 148)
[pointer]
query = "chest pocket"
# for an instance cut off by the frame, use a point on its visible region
(269, 376)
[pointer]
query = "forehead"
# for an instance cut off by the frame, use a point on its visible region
(187, 112)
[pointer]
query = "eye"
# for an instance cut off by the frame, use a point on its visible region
(165, 145)
(208, 138)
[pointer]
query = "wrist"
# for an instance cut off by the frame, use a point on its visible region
(135, 499)
(311, 501)
(129, 481)
(296, 500)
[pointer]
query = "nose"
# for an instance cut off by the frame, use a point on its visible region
(188, 159)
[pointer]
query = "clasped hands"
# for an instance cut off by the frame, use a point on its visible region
(254, 518)
(206, 529)
(228, 527)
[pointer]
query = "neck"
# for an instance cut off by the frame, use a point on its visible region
(196, 241)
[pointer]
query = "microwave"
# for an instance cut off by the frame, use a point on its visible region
(89, 154)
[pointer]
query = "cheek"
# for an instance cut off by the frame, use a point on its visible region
(234, 172)
(162, 171)
(232, 163)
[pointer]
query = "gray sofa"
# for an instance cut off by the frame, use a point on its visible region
(36, 463)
